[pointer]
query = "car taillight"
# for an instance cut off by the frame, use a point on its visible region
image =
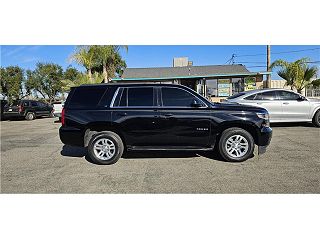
(62, 117)
(20, 108)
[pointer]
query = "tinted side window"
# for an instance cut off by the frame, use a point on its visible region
(41, 104)
(236, 95)
(124, 98)
(286, 95)
(177, 97)
(34, 104)
(26, 103)
(269, 95)
(251, 97)
(86, 97)
(142, 96)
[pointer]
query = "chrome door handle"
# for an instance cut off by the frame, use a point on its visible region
(285, 103)
(168, 115)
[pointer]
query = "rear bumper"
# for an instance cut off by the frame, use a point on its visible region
(71, 136)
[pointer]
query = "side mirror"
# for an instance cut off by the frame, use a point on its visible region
(195, 104)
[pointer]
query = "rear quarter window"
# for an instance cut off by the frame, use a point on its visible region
(86, 97)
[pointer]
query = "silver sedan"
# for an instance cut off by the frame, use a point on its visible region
(283, 105)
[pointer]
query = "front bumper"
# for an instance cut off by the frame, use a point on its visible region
(264, 139)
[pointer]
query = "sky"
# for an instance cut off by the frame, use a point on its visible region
(162, 55)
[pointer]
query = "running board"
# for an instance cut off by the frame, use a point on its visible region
(167, 148)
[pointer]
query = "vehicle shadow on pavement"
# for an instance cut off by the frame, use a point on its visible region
(79, 152)
(73, 151)
(157, 154)
(293, 124)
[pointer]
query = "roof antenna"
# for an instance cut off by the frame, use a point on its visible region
(231, 60)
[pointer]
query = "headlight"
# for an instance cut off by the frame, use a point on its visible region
(266, 118)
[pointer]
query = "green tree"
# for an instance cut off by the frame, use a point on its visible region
(84, 55)
(316, 83)
(71, 74)
(11, 82)
(109, 58)
(82, 79)
(298, 74)
(46, 80)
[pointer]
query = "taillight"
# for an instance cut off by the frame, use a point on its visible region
(20, 108)
(62, 117)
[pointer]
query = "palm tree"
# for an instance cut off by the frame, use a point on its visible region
(297, 74)
(309, 73)
(84, 56)
(82, 79)
(108, 56)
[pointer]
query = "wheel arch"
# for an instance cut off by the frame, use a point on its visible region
(98, 128)
(316, 110)
(248, 126)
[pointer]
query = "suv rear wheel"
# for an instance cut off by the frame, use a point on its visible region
(316, 119)
(236, 145)
(105, 148)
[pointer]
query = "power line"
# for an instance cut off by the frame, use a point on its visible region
(276, 53)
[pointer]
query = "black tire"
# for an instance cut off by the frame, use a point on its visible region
(232, 134)
(316, 119)
(30, 116)
(110, 136)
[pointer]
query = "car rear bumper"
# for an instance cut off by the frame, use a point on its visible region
(71, 136)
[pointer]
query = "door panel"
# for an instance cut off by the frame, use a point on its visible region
(294, 107)
(183, 124)
(295, 110)
(185, 127)
(140, 127)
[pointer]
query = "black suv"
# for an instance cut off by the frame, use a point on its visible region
(111, 118)
(28, 109)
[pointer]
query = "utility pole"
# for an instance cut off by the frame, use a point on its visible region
(268, 66)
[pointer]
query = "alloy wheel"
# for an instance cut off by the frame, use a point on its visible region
(104, 149)
(237, 146)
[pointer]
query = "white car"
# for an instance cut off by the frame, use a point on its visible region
(283, 105)
(57, 107)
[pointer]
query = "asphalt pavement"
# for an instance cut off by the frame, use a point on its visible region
(33, 160)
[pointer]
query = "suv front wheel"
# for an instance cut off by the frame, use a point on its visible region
(236, 145)
(105, 148)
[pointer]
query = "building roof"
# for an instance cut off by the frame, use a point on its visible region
(185, 71)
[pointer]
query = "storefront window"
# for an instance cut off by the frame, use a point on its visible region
(237, 85)
(224, 87)
(212, 88)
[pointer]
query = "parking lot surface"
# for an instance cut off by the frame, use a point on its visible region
(33, 160)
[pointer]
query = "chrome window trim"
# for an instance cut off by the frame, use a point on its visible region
(126, 107)
(159, 97)
(114, 97)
